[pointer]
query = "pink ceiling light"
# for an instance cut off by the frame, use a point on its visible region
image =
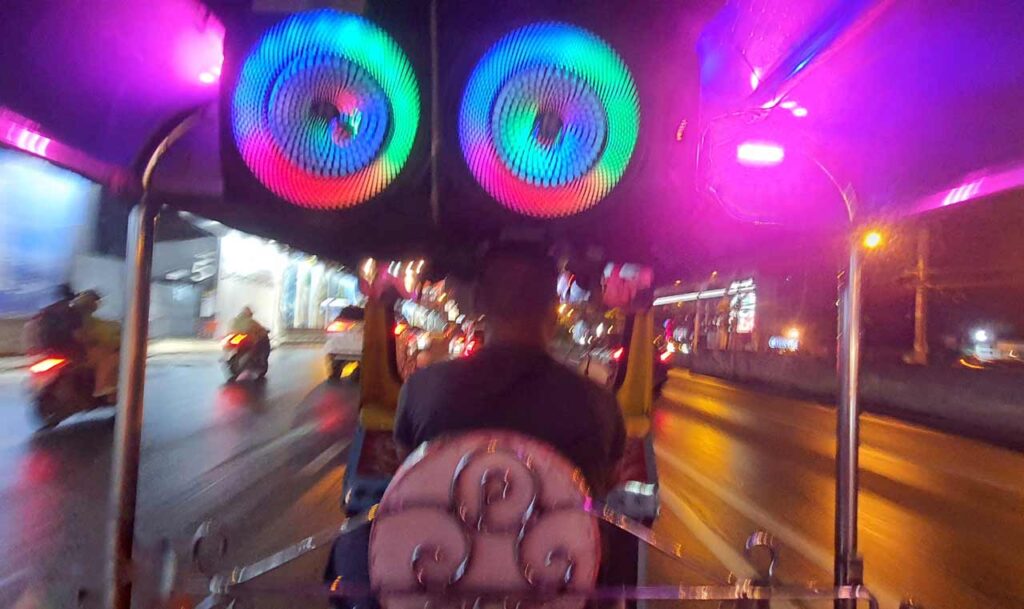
(17, 131)
(760, 154)
(199, 49)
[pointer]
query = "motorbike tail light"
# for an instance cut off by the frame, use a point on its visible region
(47, 364)
(618, 353)
(666, 355)
(237, 339)
(400, 327)
(340, 326)
(469, 349)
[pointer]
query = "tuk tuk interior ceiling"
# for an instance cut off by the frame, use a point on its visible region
(904, 99)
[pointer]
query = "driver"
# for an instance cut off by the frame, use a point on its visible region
(512, 382)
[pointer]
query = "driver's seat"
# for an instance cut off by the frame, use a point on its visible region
(488, 511)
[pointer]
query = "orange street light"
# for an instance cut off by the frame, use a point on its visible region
(872, 239)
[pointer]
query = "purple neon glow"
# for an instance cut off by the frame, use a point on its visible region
(976, 186)
(760, 153)
(31, 142)
(19, 132)
(199, 51)
(212, 75)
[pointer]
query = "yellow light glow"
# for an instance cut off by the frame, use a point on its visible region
(793, 333)
(872, 239)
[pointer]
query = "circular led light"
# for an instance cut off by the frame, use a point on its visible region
(326, 109)
(549, 120)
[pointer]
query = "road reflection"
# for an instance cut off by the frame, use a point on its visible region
(940, 515)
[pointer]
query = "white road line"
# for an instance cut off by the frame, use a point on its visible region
(791, 537)
(724, 551)
(872, 459)
(332, 451)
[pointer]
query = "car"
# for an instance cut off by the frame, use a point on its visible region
(344, 345)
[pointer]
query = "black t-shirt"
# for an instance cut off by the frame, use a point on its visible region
(520, 389)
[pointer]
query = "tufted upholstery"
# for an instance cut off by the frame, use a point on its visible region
(489, 510)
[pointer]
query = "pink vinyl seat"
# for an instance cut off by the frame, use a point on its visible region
(493, 513)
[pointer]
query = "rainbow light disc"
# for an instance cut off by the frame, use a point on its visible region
(326, 109)
(549, 120)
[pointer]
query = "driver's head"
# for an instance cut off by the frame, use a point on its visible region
(517, 292)
(247, 312)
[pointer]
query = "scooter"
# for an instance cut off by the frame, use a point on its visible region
(246, 353)
(62, 385)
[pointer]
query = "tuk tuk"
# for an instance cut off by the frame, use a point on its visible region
(380, 133)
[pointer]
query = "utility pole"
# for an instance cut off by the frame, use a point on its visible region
(920, 354)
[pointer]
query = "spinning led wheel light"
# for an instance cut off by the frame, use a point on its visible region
(326, 109)
(549, 120)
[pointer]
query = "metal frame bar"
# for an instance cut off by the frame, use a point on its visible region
(132, 379)
(848, 569)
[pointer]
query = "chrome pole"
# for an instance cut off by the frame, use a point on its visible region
(847, 562)
(132, 379)
(128, 425)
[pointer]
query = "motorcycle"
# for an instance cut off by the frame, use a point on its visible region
(62, 385)
(246, 353)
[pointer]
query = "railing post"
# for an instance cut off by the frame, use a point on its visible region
(848, 569)
(132, 380)
(128, 425)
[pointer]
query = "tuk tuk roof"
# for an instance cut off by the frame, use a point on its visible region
(915, 104)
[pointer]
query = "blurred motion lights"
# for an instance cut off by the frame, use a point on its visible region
(326, 109)
(549, 120)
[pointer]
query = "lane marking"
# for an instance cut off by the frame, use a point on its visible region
(872, 458)
(807, 548)
(718, 545)
(325, 457)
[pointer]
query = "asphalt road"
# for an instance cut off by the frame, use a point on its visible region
(941, 516)
(264, 461)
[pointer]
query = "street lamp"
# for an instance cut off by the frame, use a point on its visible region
(848, 564)
(872, 239)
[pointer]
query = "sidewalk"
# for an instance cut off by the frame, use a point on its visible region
(168, 346)
(181, 346)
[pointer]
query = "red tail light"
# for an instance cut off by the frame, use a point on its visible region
(400, 327)
(666, 355)
(47, 364)
(340, 326)
(618, 353)
(469, 348)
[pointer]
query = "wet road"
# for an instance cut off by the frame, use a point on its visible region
(263, 459)
(942, 517)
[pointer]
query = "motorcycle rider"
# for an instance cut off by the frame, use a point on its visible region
(54, 327)
(101, 340)
(245, 323)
